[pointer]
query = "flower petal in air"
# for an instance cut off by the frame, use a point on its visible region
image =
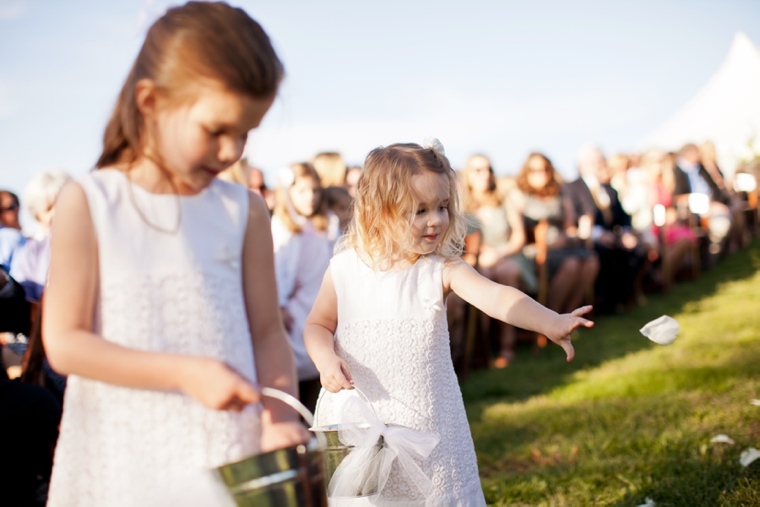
(662, 330)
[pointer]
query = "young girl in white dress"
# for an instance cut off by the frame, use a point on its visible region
(302, 251)
(161, 306)
(379, 322)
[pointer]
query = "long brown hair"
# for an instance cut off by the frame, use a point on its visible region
(491, 198)
(552, 186)
(200, 40)
(282, 195)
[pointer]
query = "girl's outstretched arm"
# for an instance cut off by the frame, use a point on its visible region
(318, 337)
(72, 347)
(275, 366)
(512, 306)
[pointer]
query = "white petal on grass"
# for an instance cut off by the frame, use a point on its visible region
(749, 456)
(721, 439)
(648, 502)
(662, 330)
(755, 403)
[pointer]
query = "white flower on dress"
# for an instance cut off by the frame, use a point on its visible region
(225, 256)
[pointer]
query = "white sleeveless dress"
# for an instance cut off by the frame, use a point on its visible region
(392, 333)
(180, 293)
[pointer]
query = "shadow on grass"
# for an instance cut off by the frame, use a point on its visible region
(612, 337)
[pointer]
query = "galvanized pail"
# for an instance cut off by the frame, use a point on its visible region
(335, 451)
(289, 477)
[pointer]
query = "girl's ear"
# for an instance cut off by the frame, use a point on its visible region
(146, 97)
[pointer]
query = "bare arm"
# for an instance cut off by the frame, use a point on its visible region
(318, 338)
(72, 347)
(512, 306)
(517, 235)
(275, 366)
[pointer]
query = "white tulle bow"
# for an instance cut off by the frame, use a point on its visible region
(366, 470)
(434, 144)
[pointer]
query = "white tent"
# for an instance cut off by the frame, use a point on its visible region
(726, 111)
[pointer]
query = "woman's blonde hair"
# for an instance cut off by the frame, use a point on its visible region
(331, 169)
(385, 204)
(284, 209)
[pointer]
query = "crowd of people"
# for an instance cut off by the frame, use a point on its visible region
(628, 223)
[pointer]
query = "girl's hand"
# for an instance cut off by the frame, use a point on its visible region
(216, 385)
(335, 376)
(564, 325)
(282, 434)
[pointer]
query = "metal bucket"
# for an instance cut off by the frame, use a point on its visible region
(289, 477)
(335, 451)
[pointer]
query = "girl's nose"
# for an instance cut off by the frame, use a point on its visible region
(230, 149)
(433, 219)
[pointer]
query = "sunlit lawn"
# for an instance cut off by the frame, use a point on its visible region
(630, 419)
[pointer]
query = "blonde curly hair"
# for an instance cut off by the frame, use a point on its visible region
(386, 201)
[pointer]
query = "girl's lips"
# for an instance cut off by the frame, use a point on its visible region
(210, 171)
(431, 237)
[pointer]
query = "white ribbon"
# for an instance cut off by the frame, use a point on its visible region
(365, 469)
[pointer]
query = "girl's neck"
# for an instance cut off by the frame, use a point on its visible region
(149, 175)
(397, 264)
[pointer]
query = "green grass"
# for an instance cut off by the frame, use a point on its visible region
(630, 419)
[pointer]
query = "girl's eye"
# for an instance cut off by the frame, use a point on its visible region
(421, 211)
(442, 207)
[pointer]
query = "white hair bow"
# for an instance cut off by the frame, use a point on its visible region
(432, 143)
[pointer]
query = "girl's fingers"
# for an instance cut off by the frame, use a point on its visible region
(583, 310)
(248, 394)
(567, 345)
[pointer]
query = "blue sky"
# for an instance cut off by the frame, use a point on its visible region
(503, 78)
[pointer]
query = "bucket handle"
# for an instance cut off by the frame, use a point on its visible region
(358, 391)
(296, 405)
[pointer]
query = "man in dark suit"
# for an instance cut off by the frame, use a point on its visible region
(691, 177)
(620, 257)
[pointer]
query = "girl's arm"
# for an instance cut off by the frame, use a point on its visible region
(512, 306)
(318, 336)
(72, 347)
(275, 366)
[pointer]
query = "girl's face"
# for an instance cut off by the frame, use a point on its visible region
(198, 140)
(479, 174)
(538, 173)
(431, 218)
(304, 195)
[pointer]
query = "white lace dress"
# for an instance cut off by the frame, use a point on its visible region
(179, 293)
(392, 333)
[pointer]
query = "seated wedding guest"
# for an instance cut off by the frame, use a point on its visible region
(257, 184)
(352, 179)
(339, 203)
(739, 235)
(621, 261)
(331, 169)
(692, 177)
(677, 235)
(302, 252)
(30, 262)
(503, 237)
(9, 210)
(572, 267)
(10, 229)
